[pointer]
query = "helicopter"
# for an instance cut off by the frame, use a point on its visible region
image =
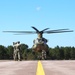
(40, 44)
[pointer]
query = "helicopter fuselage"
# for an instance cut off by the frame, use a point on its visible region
(40, 47)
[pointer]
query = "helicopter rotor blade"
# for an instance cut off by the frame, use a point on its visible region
(22, 34)
(59, 29)
(27, 32)
(45, 29)
(62, 31)
(35, 29)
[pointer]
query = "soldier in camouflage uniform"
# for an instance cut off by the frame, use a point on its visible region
(17, 52)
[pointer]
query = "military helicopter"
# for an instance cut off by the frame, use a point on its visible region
(40, 44)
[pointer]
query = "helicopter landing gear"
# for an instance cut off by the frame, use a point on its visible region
(40, 55)
(43, 55)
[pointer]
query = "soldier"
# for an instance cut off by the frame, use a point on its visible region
(17, 53)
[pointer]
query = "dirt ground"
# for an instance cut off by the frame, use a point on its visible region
(51, 67)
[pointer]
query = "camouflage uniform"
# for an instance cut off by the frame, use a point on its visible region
(17, 53)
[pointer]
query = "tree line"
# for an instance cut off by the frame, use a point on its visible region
(57, 53)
